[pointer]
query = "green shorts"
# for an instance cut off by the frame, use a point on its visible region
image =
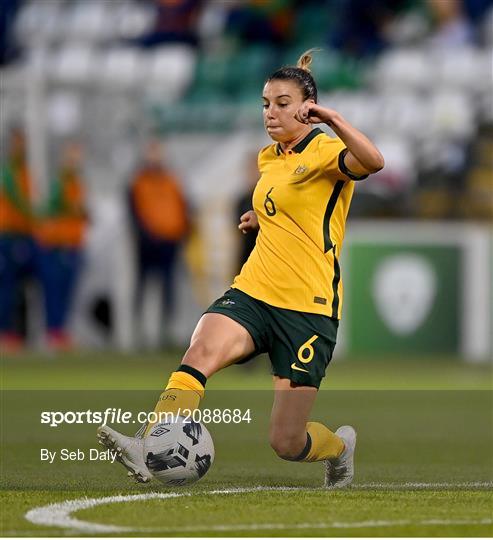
(300, 345)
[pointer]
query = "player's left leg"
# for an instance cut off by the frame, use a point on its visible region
(294, 438)
(301, 347)
(291, 435)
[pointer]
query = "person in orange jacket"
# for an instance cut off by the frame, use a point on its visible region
(17, 248)
(60, 234)
(159, 217)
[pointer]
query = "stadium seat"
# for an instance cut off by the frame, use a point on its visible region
(221, 76)
(407, 69)
(461, 68)
(123, 68)
(451, 115)
(132, 19)
(403, 113)
(400, 172)
(326, 67)
(171, 70)
(89, 21)
(331, 69)
(313, 22)
(440, 157)
(39, 58)
(64, 113)
(211, 24)
(211, 73)
(360, 108)
(255, 61)
(75, 64)
(39, 21)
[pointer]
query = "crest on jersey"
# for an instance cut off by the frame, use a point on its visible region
(301, 169)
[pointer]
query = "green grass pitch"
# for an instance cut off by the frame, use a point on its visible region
(424, 459)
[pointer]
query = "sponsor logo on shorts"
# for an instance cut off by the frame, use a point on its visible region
(294, 366)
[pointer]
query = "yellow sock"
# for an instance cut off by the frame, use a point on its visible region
(183, 391)
(324, 443)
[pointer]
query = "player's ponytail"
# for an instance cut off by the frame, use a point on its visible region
(300, 74)
(305, 60)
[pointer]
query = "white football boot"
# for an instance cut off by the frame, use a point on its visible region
(129, 452)
(339, 471)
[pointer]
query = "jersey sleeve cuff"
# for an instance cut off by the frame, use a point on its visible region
(345, 170)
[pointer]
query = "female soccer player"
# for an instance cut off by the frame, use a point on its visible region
(287, 298)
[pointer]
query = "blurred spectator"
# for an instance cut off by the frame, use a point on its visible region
(451, 26)
(159, 216)
(438, 23)
(258, 21)
(477, 9)
(17, 248)
(176, 22)
(362, 24)
(60, 234)
(9, 51)
(244, 204)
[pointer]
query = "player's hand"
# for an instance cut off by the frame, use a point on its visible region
(312, 113)
(248, 222)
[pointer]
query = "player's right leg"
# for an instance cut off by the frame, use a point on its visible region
(217, 342)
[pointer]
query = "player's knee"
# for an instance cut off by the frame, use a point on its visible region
(202, 356)
(287, 445)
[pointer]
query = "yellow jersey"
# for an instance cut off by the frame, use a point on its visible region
(302, 201)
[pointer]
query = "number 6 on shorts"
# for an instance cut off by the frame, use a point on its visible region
(307, 346)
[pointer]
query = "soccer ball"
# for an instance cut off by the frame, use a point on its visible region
(178, 453)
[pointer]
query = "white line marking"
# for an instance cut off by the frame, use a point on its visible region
(424, 485)
(332, 525)
(59, 514)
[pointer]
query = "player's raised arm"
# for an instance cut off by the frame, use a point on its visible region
(363, 157)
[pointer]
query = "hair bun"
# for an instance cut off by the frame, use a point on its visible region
(305, 60)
